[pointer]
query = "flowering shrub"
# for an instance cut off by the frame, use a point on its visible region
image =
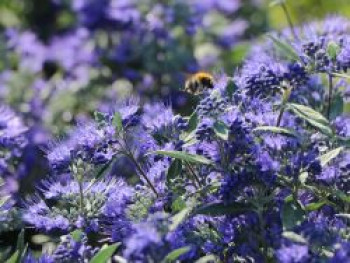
(258, 172)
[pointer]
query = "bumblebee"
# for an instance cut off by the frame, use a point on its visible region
(199, 82)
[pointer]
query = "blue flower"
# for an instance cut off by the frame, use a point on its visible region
(63, 209)
(293, 254)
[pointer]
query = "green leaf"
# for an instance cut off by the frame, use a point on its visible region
(20, 241)
(342, 196)
(175, 254)
(105, 168)
(333, 50)
(178, 218)
(294, 237)
(3, 200)
(221, 130)
(192, 122)
(313, 117)
(119, 259)
(292, 215)
(337, 106)
(231, 87)
(315, 206)
(326, 158)
(207, 259)
(218, 209)
(346, 107)
(276, 2)
(21, 247)
(303, 177)
(340, 75)
(174, 170)
(275, 129)
(100, 117)
(192, 158)
(105, 253)
(178, 204)
(77, 235)
(285, 48)
(14, 258)
(118, 121)
(346, 216)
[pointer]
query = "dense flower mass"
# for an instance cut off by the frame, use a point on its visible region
(255, 169)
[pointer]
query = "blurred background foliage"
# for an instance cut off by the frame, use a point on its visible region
(43, 13)
(117, 74)
(306, 10)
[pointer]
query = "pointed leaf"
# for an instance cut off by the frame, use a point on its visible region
(337, 106)
(294, 237)
(219, 209)
(285, 48)
(178, 218)
(100, 118)
(275, 129)
(313, 117)
(292, 215)
(346, 216)
(315, 206)
(192, 122)
(105, 254)
(207, 259)
(107, 167)
(77, 235)
(174, 170)
(342, 196)
(20, 241)
(175, 254)
(340, 75)
(333, 50)
(221, 130)
(14, 258)
(118, 121)
(3, 200)
(192, 158)
(231, 87)
(326, 158)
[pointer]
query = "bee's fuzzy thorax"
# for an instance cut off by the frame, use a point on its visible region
(199, 82)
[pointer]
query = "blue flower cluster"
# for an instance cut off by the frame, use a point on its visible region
(258, 172)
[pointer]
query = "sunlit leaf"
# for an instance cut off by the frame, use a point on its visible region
(192, 158)
(333, 50)
(178, 218)
(277, 130)
(326, 158)
(207, 259)
(294, 237)
(313, 117)
(105, 254)
(118, 121)
(175, 254)
(77, 235)
(315, 206)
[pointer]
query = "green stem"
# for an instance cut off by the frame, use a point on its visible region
(81, 193)
(285, 99)
(280, 115)
(330, 94)
(193, 174)
(289, 19)
(142, 172)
